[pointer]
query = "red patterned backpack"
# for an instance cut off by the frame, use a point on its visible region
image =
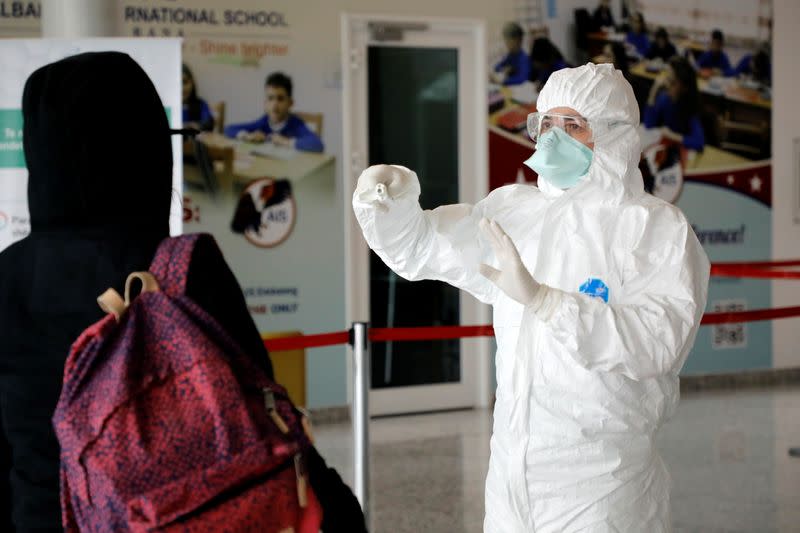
(166, 425)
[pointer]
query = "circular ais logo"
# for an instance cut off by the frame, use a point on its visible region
(663, 163)
(266, 212)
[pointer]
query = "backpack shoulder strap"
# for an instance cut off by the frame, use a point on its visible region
(170, 265)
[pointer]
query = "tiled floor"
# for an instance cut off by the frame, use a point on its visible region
(726, 451)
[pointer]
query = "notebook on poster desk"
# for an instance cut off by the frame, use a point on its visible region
(655, 65)
(716, 85)
(524, 93)
(272, 151)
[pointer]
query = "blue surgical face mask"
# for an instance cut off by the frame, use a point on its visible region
(562, 160)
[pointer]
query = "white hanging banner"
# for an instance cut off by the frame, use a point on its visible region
(19, 58)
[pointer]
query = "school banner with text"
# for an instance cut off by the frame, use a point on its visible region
(160, 58)
(261, 177)
(20, 19)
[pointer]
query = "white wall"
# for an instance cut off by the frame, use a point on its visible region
(72, 19)
(785, 178)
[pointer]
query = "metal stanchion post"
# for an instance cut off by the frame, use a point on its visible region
(361, 383)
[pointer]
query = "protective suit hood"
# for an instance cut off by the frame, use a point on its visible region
(89, 170)
(600, 93)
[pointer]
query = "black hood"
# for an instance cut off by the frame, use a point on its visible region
(97, 147)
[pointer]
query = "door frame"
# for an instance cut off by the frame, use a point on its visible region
(473, 186)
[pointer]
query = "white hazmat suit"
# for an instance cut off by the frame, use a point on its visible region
(588, 374)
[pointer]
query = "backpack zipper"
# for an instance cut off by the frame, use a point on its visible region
(300, 472)
(269, 404)
(299, 466)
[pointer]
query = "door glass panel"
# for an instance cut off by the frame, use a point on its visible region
(413, 121)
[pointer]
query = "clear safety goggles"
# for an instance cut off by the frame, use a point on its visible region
(575, 126)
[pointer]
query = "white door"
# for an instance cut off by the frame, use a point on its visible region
(414, 94)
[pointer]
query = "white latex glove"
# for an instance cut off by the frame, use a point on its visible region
(380, 183)
(512, 278)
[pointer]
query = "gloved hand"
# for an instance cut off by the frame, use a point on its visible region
(512, 278)
(381, 183)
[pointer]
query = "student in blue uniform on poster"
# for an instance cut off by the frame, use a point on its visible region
(546, 58)
(638, 35)
(661, 47)
(715, 57)
(514, 68)
(278, 125)
(196, 113)
(602, 16)
(673, 104)
(756, 66)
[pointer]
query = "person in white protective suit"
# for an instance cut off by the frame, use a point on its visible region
(598, 290)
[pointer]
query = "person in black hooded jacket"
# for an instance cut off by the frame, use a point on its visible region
(99, 198)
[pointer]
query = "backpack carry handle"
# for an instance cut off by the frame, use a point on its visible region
(111, 302)
(149, 284)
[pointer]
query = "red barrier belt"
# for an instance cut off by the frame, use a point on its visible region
(749, 316)
(307, 341)
(752, 272)
(429, 333)
(760, 264)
